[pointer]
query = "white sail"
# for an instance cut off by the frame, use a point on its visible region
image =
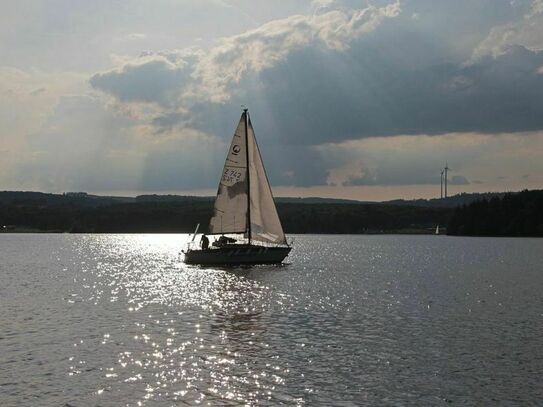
(265, 223)
(230, 215)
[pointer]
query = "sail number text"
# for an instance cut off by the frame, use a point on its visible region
(232, 176)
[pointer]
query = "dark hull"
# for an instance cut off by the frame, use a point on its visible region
(237, 254)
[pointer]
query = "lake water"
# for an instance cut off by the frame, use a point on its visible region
(115, 320)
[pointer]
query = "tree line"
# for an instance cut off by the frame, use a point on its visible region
(514, 214)
(181, 217)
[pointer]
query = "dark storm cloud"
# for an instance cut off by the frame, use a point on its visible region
(458, 180)
(153, 81)
(293, 165)
(317, 97)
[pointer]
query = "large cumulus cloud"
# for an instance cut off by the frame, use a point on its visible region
(155, 80)
(348, 73)
(525, 30)
(214, 73)
(340, 75)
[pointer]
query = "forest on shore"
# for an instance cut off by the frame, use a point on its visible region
(82, 213)
(500, 214)
(514, 214)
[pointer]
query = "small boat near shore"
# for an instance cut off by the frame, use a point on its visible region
(245, 227)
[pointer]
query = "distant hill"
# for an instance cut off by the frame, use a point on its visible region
(188, 198)
(172, 198)
(449, 202)
(316, 200)
(82, 198)
(27, 198)
(488, 214)
(80, 212)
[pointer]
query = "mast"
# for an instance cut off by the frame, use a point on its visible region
(248, 178)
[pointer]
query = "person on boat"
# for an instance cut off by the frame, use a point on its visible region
(223, 240)
(204, 242)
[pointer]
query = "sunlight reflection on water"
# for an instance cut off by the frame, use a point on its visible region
(204, 347)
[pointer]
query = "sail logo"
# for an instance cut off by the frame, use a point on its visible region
(236, 149)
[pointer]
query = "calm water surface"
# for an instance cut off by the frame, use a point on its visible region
(116, 320)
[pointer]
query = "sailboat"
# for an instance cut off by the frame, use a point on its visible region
(437, 230)
(245, 217)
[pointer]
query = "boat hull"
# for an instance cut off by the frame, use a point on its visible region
(237, 254)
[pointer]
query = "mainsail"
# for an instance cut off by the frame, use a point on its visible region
(238, 200)
(231, 203)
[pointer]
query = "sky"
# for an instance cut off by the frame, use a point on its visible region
(350, 99)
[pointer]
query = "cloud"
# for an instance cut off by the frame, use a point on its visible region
(458, 180)
(417, 160)
(345, 74)
(27, 98)
(527, 31)
(317, 96)
(409, 176)
(368, 94)
(85, 145)
(67, 35)
(341, 93)
(151, 80)
(266, 46)
(214, 73)
(338, 75)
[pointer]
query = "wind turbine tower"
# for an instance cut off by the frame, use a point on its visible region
(446, 169)
(442, 183)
